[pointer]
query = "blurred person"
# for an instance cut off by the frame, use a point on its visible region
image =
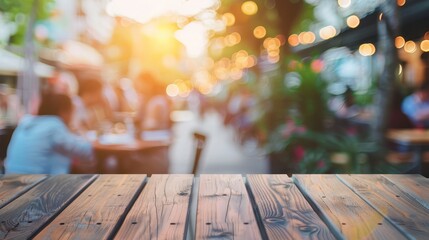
(154, 110)
(92, 109)
(43, 144)
(345, 105)
(152, 122)
(416, 106)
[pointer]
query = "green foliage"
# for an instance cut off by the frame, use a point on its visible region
(18, 11)
(310, 97)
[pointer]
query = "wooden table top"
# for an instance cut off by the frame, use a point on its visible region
(409, 136)
(227, 207)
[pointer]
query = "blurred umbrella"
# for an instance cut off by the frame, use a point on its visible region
(73, 55)
(12, 64)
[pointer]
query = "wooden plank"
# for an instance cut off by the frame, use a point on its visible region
(24, 217)
(392, 202)
(161, 211)
(415, 185)
(343, 210)
(283, 209)
(97, 211)
(224, 210)
(12, 186)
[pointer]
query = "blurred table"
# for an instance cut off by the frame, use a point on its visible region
(416, 140)
(132, 155)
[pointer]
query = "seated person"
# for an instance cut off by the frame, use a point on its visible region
(43, 144)
(91, 106)
(416, 106)
(154, 110)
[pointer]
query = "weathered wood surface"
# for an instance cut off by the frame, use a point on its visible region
(161, 211)
(23, 217)
(224, 210)
(392, 202)
(284, 211)
(415, 185)
(272, 207)
(347, 213)
(97, 211)
(12, 186)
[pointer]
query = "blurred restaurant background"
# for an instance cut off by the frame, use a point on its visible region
(259, 86)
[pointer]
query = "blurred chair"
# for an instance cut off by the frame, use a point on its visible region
(200, 142)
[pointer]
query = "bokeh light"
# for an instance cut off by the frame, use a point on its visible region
(344, 3)
(410, 47)
(306, 37)
(401, 2)
(399, 42)
(424, 45)
(249, 8)
(367, 49)
(259, 32)
(327, 32)
(232, 39)
(229, 19)
(353, 21)
(293, 40)
(172, 90)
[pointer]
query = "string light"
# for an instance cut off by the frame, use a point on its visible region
(410, 47)
(259, 32)
(424, 45)
(401, 2)
(327, 32)
(228, 18)
(344, 3)
(293, 40)
(399, 42)
(353, 21)
(367, 49)
(249, 8)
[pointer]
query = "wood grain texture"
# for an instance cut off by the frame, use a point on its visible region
(12, 186)
(392, 202)
(284, 211)
(97, 211)
(161, 210)
(348, 214)
(224, 210)
(23, 217)
(415, 185)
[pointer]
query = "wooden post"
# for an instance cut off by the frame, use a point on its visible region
(388, 27)
(28, 83)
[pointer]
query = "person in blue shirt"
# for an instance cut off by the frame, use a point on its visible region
(43, 144)
(416, 106)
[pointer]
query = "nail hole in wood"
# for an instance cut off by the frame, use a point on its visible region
(224, 194)
(61, 223)
(380, 223)
(119, 195)
(30, 221)
(344, 223)
(89, 195)
(98, 223)
(246, 223)
(133, 223)
(207, 223)
(172, 223)
(397, 196)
